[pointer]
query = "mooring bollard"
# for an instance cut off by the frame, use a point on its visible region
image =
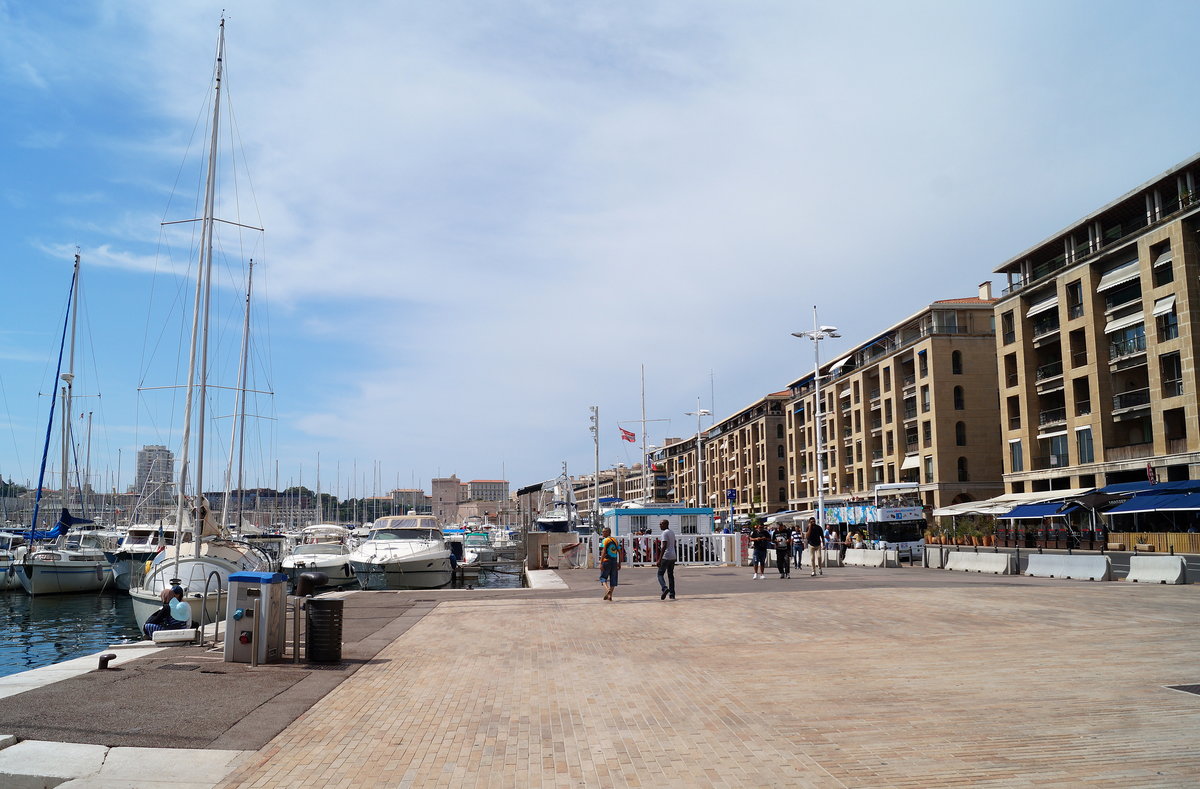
(105, 659)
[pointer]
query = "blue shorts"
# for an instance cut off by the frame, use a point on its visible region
(609, 569)
(760, 556)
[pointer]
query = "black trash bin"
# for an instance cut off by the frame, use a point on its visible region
(323, 641)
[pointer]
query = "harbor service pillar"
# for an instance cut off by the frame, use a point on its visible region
(262, 630)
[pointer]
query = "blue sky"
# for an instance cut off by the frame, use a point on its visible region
(482, 218)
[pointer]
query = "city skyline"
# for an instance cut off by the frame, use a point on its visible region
(481, 222)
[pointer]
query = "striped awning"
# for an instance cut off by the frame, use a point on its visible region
(1126, 272)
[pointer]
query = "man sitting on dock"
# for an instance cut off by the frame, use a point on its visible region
(174, 614)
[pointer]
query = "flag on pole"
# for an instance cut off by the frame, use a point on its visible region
(628, 435)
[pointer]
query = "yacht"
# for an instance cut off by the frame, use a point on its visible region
(142, 542)
(324, 548)
(403, 552)
(66, 561)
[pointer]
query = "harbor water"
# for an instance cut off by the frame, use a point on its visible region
(41, 631)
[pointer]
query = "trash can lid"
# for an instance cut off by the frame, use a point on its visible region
(261, 578)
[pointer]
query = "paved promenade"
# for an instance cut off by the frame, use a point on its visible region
(861, 677)
(858, 678)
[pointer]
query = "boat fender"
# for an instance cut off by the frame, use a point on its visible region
(181, 611)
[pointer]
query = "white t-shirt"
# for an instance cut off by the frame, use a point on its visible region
(668, 541)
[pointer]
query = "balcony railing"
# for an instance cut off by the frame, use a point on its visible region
(1052, 370)
(1010, 336)
(1052, 416)
(911, 446)
(1074, 311)
(1044, 326)
(1083, 407)
(876, 454)
(1053, 460)
(1131, 399)
(876, 424)
(908, 380)
(1078, 358)
(1173, 387)
(1014, 422)
(874, 394)
(910, 412)
(1012, 379)
(1127, 347)
(1129, 452)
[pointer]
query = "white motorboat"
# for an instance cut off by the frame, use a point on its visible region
(324, 548)
(142, 542)
(561, 512)
(10, 546)
(403, 552)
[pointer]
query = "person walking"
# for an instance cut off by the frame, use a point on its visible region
(797, 547)
(783, 551)
(666, 561)
(813, 538)
(610, 562)
(760, 540)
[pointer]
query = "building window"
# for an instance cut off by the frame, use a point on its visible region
(782, 475)
(782, 494)
(960, 434)
(927, 433)
(779, 452)
(1008, 333)
(923, 363)
(959, 403)
(779, 431)
(1168, 326)
(1074, 299)
(924, 399)
(1083, 438)
(929, 468)
(963, 476)
(637, 522)
(956, 363)
(1164, 271)
(887, 379)
(1171, 373)
(687, 524)
(1016, 456)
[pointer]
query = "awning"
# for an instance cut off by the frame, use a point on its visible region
(911, 461)
(1052, 434)
(1045, 510)
(1116, 324)
(1169, 502)
(839, 364)
(1164, 305)
(1119, 276)
(1163, 259)
(1045, 305)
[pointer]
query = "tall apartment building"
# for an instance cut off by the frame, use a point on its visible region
(746, 453)
(915, 404)
(154, 473)
(487, 490)
(445, 493)
(677, 459)
(1098, 344)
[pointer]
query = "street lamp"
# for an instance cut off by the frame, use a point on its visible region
(817, 334)
(699, 412)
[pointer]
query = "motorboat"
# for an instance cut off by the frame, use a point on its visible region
(324, 548)
(561, 512)
(403, 552)
(141, 543)
(11, 546)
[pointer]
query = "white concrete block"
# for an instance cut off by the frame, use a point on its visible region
(1157, 570)
(546, 579)
(1089, 567)
(971, 562)
(34, 764)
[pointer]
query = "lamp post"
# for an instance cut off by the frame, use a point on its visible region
(699, 412)
(817, 334)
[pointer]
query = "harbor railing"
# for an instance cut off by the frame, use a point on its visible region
(644, 550)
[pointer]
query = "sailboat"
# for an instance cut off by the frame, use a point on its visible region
(203, 569)
(561, 514)
(62, 559)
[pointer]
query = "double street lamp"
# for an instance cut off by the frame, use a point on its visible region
(699, 412)
(817, 334)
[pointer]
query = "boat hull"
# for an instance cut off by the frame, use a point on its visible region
(42, 577)
(421, 573)
(338, 571)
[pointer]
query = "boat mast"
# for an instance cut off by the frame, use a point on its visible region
(238, 431)
(645, 461)
(67, 378)
(199, 384)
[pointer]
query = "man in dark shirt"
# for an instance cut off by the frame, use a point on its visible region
(783, 551)
(760, 540)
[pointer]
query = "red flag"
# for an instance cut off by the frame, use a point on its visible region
(627, 435)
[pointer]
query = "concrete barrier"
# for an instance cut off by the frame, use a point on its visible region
(934, 556)
(1079, 567)
(831, 557)
(865, 557)
(996, 563)
(1157, 570)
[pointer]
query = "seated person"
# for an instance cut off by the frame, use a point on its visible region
(175, 614)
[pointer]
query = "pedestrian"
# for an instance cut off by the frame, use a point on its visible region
(814, 537)
(760, 540)
(666, 561)
(610, 562)
(797, 546)
(783, 551)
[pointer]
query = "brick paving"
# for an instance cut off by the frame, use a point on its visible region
(862, 678)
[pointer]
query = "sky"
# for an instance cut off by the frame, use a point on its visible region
(480, 219)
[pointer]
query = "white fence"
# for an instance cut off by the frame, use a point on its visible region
(644, 550)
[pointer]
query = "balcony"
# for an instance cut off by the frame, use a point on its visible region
(1129, 452)
(1130, 346)
(1052, 370)
(873, 395)
(876, 454)
(1053, 460)
(1014, 422)
(1053, 416)
(911, 446)
(1083, 407)
(1045, 325)
(1074, 311)
(910, 412)
(909, 380)
(1134, 398)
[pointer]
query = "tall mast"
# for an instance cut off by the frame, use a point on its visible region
(645, 459)
(201, 305)
(238, 431)
(68, 378)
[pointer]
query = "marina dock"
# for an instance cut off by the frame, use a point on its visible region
(860, 677)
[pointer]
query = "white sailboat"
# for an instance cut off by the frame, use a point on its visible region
(204, 569)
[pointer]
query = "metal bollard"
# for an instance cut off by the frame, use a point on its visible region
(105, 659)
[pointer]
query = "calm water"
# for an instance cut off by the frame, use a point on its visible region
(36, 632)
